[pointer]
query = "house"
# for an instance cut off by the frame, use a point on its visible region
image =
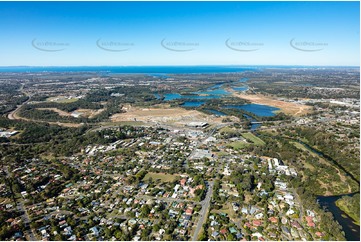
(214, 223)
(273, 219)
(285, 230)
(257, 234)
(257, 223)
(233, 230)
(189, 211)
(223, 231)
(244, 210)
(296, 225)
(310, 213)
(239, 236)
(290, 211)
(183, 182)
(235, 206)
(310, 222)
(94, 231)
(215, 234)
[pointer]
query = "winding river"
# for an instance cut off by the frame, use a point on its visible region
(352, 230)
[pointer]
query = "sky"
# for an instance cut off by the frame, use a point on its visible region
(179, 33)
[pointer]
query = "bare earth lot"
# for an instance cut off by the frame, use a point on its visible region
(163, 114)
(60, 112)
(88, 113)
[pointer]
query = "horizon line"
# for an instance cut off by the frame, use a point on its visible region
(198, 65)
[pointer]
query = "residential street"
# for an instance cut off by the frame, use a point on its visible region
(203, 213)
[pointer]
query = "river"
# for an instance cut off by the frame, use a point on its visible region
(352, 231)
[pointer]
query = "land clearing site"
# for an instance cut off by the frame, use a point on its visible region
(164, 114)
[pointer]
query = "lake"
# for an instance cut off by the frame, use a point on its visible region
(174, 96)
(192, 104)
(218, 92)
(240, 89)
(258, 109)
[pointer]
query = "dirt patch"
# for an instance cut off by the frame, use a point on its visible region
(58, 111)
(294, 109)
(163, 114)
(90, 113)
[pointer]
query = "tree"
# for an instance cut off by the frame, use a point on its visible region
(231, 237)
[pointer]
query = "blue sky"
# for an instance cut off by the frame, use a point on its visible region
(193, 33)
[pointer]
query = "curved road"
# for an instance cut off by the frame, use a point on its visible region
(12, 114)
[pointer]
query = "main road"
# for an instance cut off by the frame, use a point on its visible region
(203, 213)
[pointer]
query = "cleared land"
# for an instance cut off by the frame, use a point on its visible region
(163, 114)
(61, 99)
(294, 109)
(58, 111)
(164, 177)
(254, 139)
(89, 113)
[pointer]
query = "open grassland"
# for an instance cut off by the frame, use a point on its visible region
(61, 99)
(254, 139)
(342, 205)
(164, 177)
(239, 144)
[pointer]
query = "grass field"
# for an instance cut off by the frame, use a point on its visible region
(341, 204)
(164, 177)
(238, 144)
(61, 99)
(227, 130)
(254, 139)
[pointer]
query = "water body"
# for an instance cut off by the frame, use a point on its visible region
(173, 96)
(253, 126)
(257, 109)
(193, 104)
(217, 86)
(243, 80)
(162, 76)
(219, 92)
(131, 69)
(352, 231)
(240, 89)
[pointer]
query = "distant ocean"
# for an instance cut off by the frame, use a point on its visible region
(131, 69)
(156, 69)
